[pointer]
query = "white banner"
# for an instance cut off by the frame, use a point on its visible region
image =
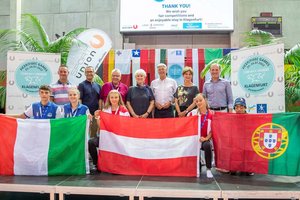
(257, 74)
(176, 15)
(26, 71)
(95, 46)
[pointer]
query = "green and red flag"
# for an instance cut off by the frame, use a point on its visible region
(260, 143)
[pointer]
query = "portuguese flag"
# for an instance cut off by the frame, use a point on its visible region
(43, 147)
(260, 143)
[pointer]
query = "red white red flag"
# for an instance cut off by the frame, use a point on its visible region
(154, 147)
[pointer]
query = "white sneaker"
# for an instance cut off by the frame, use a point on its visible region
(209, 174)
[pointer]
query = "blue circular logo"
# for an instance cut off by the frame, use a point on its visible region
(175, 71)
(159, 0)
(31, 74)
(256, 74)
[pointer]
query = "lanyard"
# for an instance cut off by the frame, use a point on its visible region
(113, 87)
(72, 113)
(43, 111)
(204, 120)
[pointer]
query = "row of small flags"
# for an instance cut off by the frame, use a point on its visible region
(129, 60)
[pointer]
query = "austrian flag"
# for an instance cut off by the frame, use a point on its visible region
(154, 147)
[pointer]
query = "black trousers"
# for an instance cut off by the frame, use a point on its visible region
(206, 147)
(93, 144)
(164, 113)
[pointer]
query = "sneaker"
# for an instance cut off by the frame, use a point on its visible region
(249, 174)
(224, 171)
(209, 174)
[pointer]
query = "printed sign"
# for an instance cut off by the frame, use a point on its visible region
(257, 74)
(26, 72)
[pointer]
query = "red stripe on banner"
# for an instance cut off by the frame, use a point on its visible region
(149, 128)
(144, 61)
(116, 164)
(8, 135)
(188, 58)
(233, 142)
(126, 79)
(105, 68)
(151, 65)
(201, 64)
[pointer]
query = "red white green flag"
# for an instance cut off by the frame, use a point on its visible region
(260, 143)
(43, 147)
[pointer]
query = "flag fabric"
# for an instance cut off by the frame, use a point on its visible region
(43, 147)
(123, 62)
(195, 59)
(160, 57)
(111, 64)
(175, 59)
(152, 65)
(136, 63)
(156, 56)
(211, 54)
(107, 66)
(132, 146)
(260, 143)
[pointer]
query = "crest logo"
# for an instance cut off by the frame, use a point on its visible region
(270, 140)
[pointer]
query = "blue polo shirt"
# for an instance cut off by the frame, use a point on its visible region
(80, 110)
(90, 95)
(39, 111)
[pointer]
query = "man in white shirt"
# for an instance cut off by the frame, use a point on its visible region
(163, 89)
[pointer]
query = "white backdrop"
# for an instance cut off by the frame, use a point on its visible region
(257, 74)
(26, 71)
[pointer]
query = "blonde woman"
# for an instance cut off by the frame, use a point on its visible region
(113, 105)
(205, 138)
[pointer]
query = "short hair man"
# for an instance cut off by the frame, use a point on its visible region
(163, 89)
(45, 109)
(90, 95)
(115, 84)
(59, 89)
(218, 91)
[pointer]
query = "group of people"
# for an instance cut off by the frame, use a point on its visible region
(162, 99)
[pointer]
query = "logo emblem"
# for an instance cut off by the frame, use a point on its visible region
(270, 140)
(256, 74)
(31, 74)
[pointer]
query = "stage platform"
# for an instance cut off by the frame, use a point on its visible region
(222, 186)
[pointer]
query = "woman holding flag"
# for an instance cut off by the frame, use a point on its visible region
(113, 105)
(205, 138)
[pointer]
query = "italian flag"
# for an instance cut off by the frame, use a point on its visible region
(43, 147)
(260, 143)
(153, 147)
